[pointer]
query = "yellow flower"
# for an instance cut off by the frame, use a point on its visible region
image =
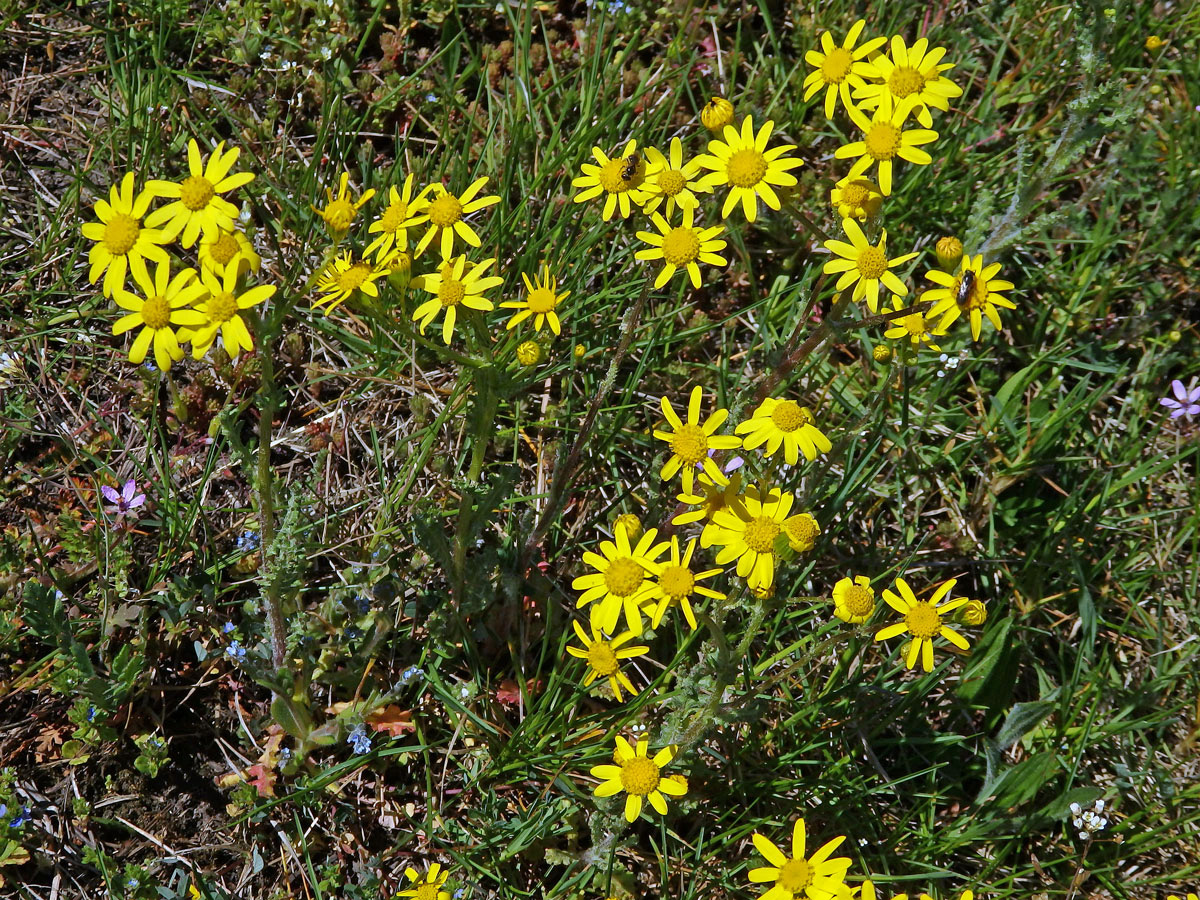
(839, 68)
(865, 266)
(339, 212)
(427, 886)
(454, 286)
(621, 179)
(671, 179)
(854, 600)
(743, 162)
(815, 878)
(691, 442)
(677, 583)
(540, 302)
(882, 353)
(639, 776)
(679, 247)
(747, 531)
(619, 581)
(344, 277)
(716, 114)
(529, 353)
(221, 311)
(786, 424)
(122, 243)
(914, 326)
(228, 248)
(884, 139)
(923, 620)
(604, 657)
(446, 213)
(973, 613)
(856, 198)
(392, 227)
(162, 307)
(973, 295)
(716, 496)
(914, 71)
(1154, 42)
(198, 206)
(802, 532)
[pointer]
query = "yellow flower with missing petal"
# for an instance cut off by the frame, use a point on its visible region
(677, 584)
(914, 326)
(604, 657)
(854, 599)
(856, 198)
(402, 213)
(639, 776)
(222, 310)
(620, 580)
(620, 179)
(228, 248)
(671, 180)
(864, 266)
(540, 302)
(344, 277)
(973, 292)
(786, 424)
(691, 441)
(339, 212)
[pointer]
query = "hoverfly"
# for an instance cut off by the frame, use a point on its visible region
(965, 285)
(629, 170)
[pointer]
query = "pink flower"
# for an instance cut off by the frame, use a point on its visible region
(1186, 402)
(124, 502)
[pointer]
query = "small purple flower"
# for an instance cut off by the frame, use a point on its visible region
(1186, 402)
(124, 502)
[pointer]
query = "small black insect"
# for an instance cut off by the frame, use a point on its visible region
(632, 161)
(965, 285)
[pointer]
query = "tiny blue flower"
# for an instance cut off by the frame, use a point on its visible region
(228, 627)
(91, 715)
(20, 818)
(359, 739)
(236, 651)
(409, 674)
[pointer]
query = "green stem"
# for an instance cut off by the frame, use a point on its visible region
(264, 485)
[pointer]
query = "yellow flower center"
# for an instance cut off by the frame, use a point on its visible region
(195, 192)
(610, 177)
(923, 620)
(836, 66)
(445, 211)
(677, 582)
(858, 600)
(914, 324)
(121, 233)
(794, 876)
(690, 444)
(542, 300)
(224, 249)
(451, 292)
(872, 262)
(427, 891)
(789, 416)
(671, 182)
(856, 194)
(624, 577)
(639, 775)
(393, 216)
(883, 141)
(222, 307)
(600, 656)
(802, 531)
(353, 277)
(746, 168)
(761, 532)
(680, 246)
(974, 296)
(338, 215)
(904, 81)
(156, 312)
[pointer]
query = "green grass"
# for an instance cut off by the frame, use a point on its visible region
(1041, 472)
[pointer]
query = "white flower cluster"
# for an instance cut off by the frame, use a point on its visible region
(1088, 821)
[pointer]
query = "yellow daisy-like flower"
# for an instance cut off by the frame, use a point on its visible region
(691, 441)
(344, 277)
(914, 71)
(802, 532)
(716, 496)
(864, 265)
(671, 179)
(816, 877)
(621, 179)
(975, 295)
(854, 599)
(604, 657)
(884, 139)
(392, 227)
(838, 69)
(222, 311)
(743, 162)
(681, 246)
(198, 206)
(339, 212)
(716, 114)
(446, 214)
(454, 286)
(539, 302)
(856, 198)
(1176, 897)
(786, 424)
(122, 244)
(677, 584)
(747, 533)
(427, 886)
(923, 620)
(620, 581)
(914, 326)
(228, 248)
(639, 776)
(162, 307)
